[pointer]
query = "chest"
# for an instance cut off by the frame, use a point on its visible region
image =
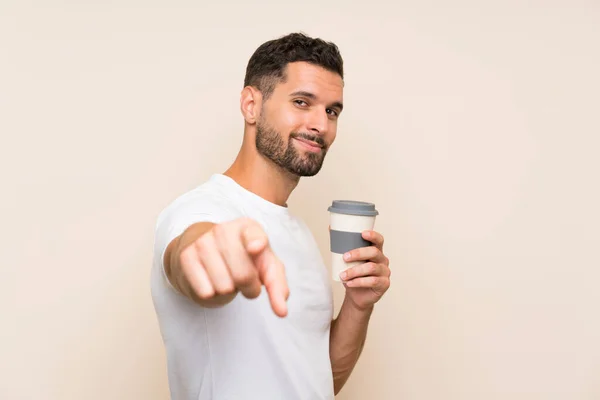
(310, 305)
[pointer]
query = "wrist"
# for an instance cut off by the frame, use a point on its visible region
(355, 309)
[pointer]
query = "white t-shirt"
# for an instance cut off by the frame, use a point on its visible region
(243, 350)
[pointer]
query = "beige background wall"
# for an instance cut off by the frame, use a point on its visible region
(474, 128)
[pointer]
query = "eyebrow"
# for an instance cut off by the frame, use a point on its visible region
(309, 95)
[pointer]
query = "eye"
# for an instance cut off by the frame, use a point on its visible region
(332, 112)
(300, 103)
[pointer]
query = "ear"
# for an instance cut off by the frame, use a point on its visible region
(250, 104)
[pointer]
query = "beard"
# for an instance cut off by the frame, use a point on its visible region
(271, 145)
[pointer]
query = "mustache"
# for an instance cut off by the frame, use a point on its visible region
(312, 138)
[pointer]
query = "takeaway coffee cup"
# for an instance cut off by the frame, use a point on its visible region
(348, 219)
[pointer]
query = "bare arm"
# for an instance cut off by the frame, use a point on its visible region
(347, 339)
(365, 284)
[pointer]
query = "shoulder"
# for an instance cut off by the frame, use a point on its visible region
(208, 202)
(207, 199)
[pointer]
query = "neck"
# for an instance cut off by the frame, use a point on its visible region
(261, 176)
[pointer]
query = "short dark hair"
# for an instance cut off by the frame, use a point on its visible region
(267, 65)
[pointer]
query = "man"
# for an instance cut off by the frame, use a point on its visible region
(218, 245)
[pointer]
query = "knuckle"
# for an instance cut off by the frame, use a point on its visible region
(219, 230)
(260, 232)
(225, 225)
(372, 268)
(202, 243)
(226, 287)
(245, 277)
(286, 292)
(246, 222)
(252, 294)
(181, 258)
(183, 261)
(255, 224)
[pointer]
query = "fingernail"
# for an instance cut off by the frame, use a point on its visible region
(343, 275)
(347, 256)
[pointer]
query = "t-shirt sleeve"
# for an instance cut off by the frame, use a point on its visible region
(184, 212)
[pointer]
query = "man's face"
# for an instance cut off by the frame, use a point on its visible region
(298, 122)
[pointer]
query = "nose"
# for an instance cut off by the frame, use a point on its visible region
(318, 121)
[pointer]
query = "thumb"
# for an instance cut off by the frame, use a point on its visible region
(255, 240)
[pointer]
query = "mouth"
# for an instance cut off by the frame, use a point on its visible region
(309, 145)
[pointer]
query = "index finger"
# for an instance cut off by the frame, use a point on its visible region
(272, 273)
(374, 237)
